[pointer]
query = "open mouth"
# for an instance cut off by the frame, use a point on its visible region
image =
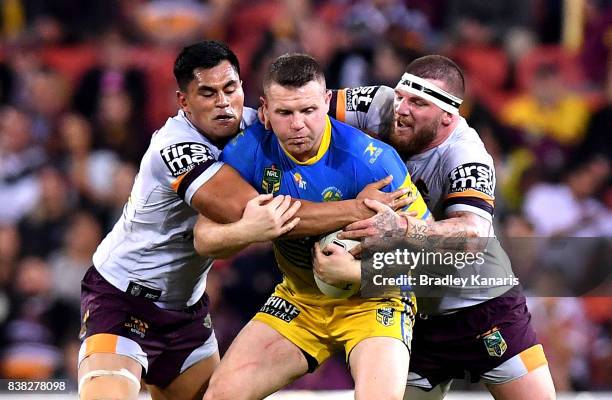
(402, 123)
(225, 117)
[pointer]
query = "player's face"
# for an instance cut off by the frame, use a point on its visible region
(298, 116)
(415, 122)
(214, 101)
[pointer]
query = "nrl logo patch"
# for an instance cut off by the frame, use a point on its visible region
(495, 344)
(271, 180)
(385, 316)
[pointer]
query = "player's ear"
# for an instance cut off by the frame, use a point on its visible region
(447, 119)
(264, 103)
(181, 100)
(328, 96)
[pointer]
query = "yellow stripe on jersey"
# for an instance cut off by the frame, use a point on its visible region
(322, 148)
(417, 205)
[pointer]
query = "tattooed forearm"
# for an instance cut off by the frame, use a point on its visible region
(461, 232)
(388, 224)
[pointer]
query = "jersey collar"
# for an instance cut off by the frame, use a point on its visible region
(322, 148)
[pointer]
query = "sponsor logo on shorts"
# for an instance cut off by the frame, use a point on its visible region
(181, 158)
(136, 326)
(280, 308)
(331, 193)
(271, 181)
(135, 290)
(474, 176)
(385, 316)
(360, 98)
(207, 321)
(495, 344)
(138, 290)
(83, 330)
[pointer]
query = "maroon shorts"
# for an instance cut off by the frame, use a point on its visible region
(164, 342)
(471, 342)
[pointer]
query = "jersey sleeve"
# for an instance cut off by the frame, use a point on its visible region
(368, 108)
(240, 152)
(469, 181)
(382, 160)
(184, 166)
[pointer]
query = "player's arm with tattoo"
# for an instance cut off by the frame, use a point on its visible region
(452, 233)
(460, 231)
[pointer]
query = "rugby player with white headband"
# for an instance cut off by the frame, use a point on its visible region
(430, 92)
(483, 334)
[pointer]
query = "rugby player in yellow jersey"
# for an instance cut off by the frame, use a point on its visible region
(313, 157)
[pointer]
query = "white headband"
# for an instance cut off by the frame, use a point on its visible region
(430, 92)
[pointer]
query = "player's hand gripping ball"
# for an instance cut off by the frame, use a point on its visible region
(338, 290)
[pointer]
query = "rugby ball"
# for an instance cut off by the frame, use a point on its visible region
(341, 290)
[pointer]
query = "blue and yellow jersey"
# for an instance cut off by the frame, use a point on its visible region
(346, 162)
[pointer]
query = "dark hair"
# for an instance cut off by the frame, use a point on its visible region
(206, 54)
(439, 68)
(293, 70)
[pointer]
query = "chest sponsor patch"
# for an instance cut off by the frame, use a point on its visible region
(360, 98)
(183, 157)
(280, 308)
(475, 176)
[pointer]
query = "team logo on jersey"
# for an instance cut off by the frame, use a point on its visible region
(360, 98)
(136, 326)
(474, 176)
(297, 177)
(83, 330)
(373, 152)
(331, 193)
(183, 157)
(385, 315)
(271, 181)
(495, 344)
(280, 308)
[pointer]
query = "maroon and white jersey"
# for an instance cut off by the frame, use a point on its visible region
(456, 176)
(152, 243)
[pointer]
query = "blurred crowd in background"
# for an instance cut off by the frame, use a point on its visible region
(83, 85)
